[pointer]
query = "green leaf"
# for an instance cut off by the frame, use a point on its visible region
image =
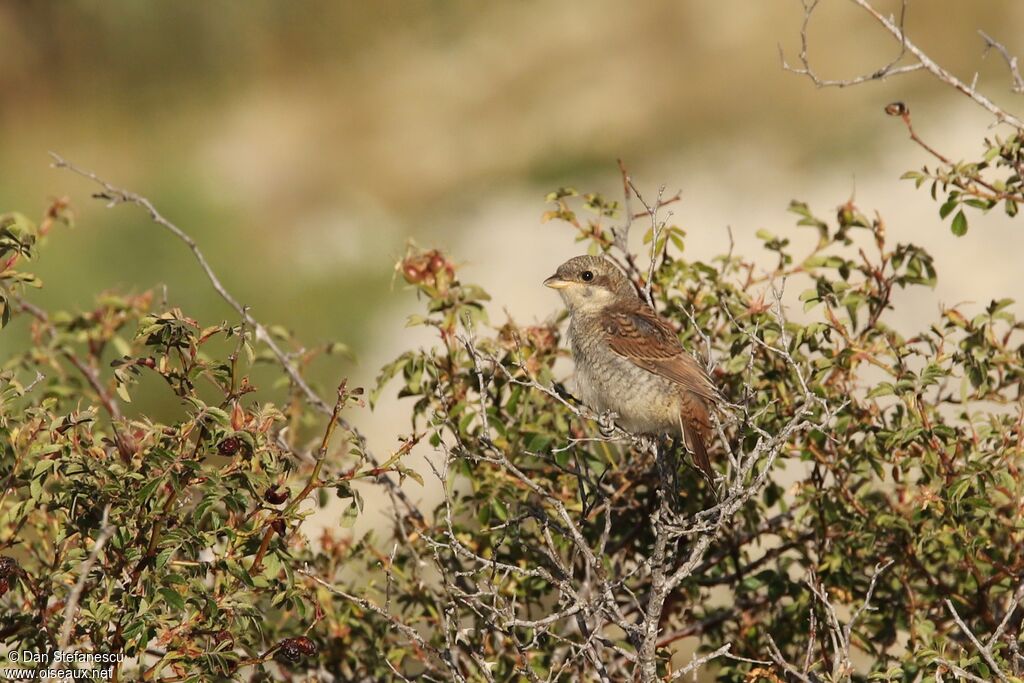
(172, 598)
(959, 226)
(148, 490)
(348, 518)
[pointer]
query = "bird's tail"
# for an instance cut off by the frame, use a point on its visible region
(695, 442)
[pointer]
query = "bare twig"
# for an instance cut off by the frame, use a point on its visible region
(1017, 84)
(983, 650)
(776, 654)
(1015, 600)
(880, 74)
(939, 72)
(959, 672)
(895, 27)
(698, 662)
(865, 607)
(71, 605)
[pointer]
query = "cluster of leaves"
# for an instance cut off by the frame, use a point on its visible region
(176, 542)
(996, 178)
(18, 236)
(912, 491)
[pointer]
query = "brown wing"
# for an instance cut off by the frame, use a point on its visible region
(639, 335)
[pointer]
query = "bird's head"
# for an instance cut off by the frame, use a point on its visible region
(590, 283)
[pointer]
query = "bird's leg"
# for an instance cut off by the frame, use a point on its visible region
(564, 393)
(606, 423)
(678, 447)
(671, 450)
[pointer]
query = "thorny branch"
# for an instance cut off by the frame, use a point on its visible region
(613, 616)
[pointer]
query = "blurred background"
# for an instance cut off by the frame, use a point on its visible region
(302, 145)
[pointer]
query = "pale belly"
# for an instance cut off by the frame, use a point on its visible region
(644, 402)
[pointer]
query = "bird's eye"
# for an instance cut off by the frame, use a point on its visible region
(586, 276)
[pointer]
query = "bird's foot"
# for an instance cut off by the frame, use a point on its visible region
(564, 393)
(606, 423)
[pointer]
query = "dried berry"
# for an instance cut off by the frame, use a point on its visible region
(9, 567)
(229, 446)
(276, 496)
(279, 526)
(224, 637)
(293, 649)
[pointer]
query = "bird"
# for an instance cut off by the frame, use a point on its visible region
(630, 362)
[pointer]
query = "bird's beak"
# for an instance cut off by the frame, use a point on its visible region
(555, 282)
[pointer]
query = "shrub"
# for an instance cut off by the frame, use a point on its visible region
(866, 520)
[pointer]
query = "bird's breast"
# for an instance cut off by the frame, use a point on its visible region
(645, 403)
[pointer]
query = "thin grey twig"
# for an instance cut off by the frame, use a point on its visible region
(71, 605)
(983, 650)
(1017, 82)
(895, 27)
(805, 68)
(698, 662)
(106, 531)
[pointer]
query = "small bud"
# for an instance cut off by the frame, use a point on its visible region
(897, 109)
